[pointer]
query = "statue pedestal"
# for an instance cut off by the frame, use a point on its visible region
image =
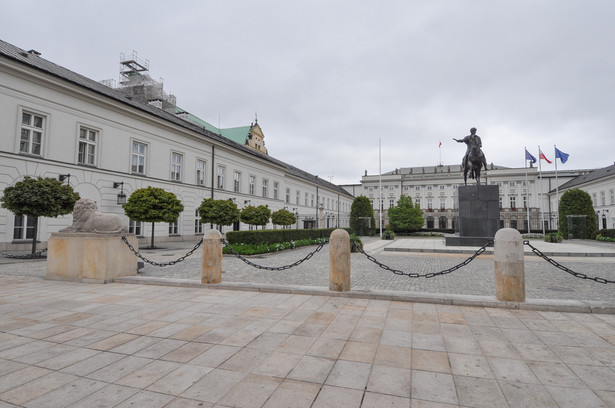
(479, 215)
(88, 257)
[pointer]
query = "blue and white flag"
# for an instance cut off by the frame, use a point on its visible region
(529, 157)
(561, 155)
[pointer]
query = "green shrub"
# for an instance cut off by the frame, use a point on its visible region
(599, 237)
(554, 237)
(250, 249)
(354, 238)
(276, 236)
(388, 234)
(607, 233)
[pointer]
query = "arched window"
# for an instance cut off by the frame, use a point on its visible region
(443, 222)
(430, 222)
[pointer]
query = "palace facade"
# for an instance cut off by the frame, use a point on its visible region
(107, 141)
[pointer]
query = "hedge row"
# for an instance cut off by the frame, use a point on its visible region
(609, 233)
(276, 236)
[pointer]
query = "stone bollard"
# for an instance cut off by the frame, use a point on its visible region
(509, 266)
(339, 261)
(211, 268)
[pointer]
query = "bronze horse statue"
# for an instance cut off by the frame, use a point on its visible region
(474, 163)
(474, 159)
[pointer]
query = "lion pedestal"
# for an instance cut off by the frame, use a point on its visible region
(91, 249)
(90, 257)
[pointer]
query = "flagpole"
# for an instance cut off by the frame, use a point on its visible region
(527, 194)
(542, 213)
(556, 184)
(440, 152)
(380, 206)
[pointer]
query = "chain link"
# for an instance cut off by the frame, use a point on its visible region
(425, 275)
(36, 255)
(178, 260)
(565, 269)
(273, 268)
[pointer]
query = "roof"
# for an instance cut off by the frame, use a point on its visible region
(236, 134)
(589, 177)
(227, 137)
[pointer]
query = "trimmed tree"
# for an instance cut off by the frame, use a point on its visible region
(405, 216)
(39, 197)
(218, 212)
(361, 210)
(252, 215)
(576, 202)
(152, 204)
(283, 217)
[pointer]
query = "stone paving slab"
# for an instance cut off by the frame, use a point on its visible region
(289, 350)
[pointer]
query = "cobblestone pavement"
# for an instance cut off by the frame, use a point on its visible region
(543, 281)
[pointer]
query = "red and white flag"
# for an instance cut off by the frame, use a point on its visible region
(542, 156)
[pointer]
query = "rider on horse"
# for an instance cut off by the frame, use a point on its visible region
(473, 141)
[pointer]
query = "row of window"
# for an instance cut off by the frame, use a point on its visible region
(603, 198)
(32, 134)
(443, 187)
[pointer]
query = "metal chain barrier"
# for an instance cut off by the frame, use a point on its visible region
(36, 255)
(425, 275)
(565, 269)
(178, 260)
(273, 268)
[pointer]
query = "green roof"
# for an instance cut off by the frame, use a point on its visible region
(236, 134)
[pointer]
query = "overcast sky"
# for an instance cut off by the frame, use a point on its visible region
(329, 79)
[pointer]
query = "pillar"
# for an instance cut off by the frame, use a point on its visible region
(339, 261)
(211, 267)
(509, 266)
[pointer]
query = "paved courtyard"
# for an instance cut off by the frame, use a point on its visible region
(66, 344)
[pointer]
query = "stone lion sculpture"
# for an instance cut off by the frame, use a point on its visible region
(86, 218)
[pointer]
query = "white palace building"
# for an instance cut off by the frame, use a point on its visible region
(108, 140)
(523, 192)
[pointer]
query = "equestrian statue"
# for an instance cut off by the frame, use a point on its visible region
(474, 158)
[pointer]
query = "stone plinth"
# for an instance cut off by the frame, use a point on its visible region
(90, 257)
(509, 266)
(479, 215)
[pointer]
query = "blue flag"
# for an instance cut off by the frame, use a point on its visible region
(561, 155)
(531, 158)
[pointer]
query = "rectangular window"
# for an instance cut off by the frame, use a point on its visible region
(602, 198)
(513, 202)
(500, 202)
(221, 177)
(174, 228)
(201, 167)
(237, 182)
(265, 188)
(594, 200)
(443, 203)
(391, 203)
(442, 187)
(524, 201)
(417, 188)
(612, 194)
(428, 187)
(305, 199)
(252, 185)
(32, 127)
(287, 195)
(137, 160)
(135, 227)
(276, 190)
(511, 184)
(417, 202)
(23, 227)
(429, 204)
(312, 201)
(297, 195)
(198, 227)
(87, 146)
(176, 166)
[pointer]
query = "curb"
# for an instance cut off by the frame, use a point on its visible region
(541, 305)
